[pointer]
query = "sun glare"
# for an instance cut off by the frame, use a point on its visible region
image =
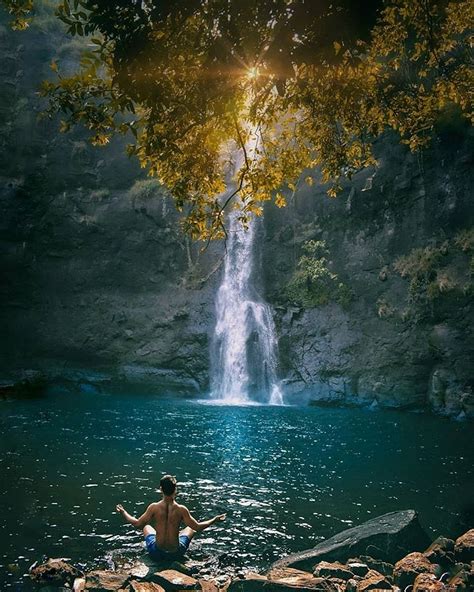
(252, 73)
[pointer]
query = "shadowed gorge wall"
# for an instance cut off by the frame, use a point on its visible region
(100, 286)
(97, 278)
(394, 238)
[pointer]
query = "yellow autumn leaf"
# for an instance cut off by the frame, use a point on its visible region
(280, 200)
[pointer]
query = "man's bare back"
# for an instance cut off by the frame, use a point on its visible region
(167, 518)
(162, 520)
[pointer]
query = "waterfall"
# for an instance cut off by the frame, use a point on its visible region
(243, 356)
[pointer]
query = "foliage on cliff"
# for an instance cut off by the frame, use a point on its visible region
(290, 83)
(437, 270)
(313, 283)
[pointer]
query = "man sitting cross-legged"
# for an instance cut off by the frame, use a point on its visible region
(161, 523)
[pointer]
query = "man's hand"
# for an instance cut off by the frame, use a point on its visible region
(220, 517)
(120, 509)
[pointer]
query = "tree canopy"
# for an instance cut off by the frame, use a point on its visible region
(291, 84)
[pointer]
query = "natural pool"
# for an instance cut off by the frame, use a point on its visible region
(286, 476)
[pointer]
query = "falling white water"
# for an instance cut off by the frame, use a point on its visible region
(244, 349)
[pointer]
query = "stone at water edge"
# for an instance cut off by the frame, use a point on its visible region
(171, 579)
(426, 582)
(106, 581)
(441, 551)
(358, 568)
(351, 586)
(53, 589)
(382, 567)
(284, 580)
(462, 578)
(388, 537)
(406, 570)
(54, 571)
(333, 570)
(145, 587)
(139, 570)
(79, 585)
(373, 580)
(208, 586)
(464, 547)
(291, 576)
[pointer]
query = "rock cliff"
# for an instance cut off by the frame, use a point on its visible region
(101, 287)
(394, 238)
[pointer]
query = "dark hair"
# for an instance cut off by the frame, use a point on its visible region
(168, 484)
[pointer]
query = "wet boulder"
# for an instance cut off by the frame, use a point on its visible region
(427, 582)
(382, 567)
(56, 572)
(373, 580)
(325, 569)
(407, 569)
(283, 580)
(358, 568)
(208, 586)
(461, 578)
(294, 578)
(171, 579)
(136, 586)
(388, 537)
(79, 585)
(351, 585)
(106, 581)
(464, 547)
(441, 551)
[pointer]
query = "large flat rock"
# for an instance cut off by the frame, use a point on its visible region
(389, 537)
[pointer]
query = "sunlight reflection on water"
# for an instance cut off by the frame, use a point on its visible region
(287, 476)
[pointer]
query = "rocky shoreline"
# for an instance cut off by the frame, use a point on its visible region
(386, 553)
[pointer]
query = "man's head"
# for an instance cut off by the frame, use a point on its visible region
(168, 485)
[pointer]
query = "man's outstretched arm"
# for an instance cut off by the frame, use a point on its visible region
(199, 526)
(144, 519)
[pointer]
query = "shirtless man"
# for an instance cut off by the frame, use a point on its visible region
(161, 522)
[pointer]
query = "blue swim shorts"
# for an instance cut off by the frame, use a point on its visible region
(160, 555)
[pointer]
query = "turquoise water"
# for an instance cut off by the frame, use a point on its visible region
(287, 477)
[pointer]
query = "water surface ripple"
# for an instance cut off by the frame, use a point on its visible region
(288, 477)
